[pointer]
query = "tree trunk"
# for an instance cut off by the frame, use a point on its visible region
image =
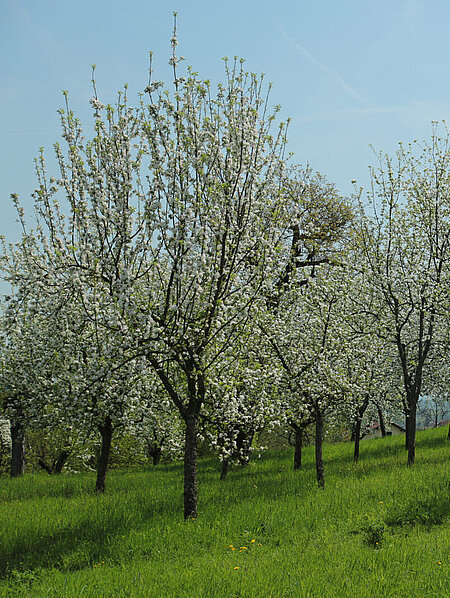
(357, 439)
(190, 467)
(60, 461)
(298, 447)
(43, 465)
(17, 450)
(57, 464)
(381, 421)
(225, 467)
(319, 456)
(407, 427)
(155, 452)
(411, 430)
(106, 431)
(448, 433)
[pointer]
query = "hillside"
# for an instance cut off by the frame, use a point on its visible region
(378, 529)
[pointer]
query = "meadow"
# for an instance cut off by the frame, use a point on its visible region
(378, 528)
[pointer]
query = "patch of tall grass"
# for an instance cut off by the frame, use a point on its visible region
(378, 528)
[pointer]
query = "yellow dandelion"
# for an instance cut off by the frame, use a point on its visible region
(236, 568)
(244, 547)
(233, 548)
(253, 541)
(381, 502)
(230, 546)
(259, 544)
(439, 562)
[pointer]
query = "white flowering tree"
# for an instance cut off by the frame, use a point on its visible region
(367, 365)
(105, 391)
(64, 362)
(406, 245)
(157, 423)
(307, 337)
(173, 221)
(216, 209)
(319, 221)
(241, 399)
(366, 369)
(31, 341)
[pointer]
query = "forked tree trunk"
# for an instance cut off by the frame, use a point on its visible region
(224, 470)
(106, 431)
(190, 467)
(319, 457)
(57, 465)
(43, 465)
(60, 461)
(17, 449)
(298, 447)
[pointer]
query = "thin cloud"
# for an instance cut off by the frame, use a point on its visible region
(331, 72)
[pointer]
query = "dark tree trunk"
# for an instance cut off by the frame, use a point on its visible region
(448, 433)
(155, 452)
(60, 461)
(319, 456)
(17, 450)
(298, 447)
(224, 470)
(43, 465)
(106, 431)
(411, 430)
(357, 439)
(157, 455)
(190, 467)
(407, 428)
(57, 464)
(381, 421)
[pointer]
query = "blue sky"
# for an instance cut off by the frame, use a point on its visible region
(349, 73)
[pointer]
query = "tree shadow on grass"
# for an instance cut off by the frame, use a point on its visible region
(86, 542)
(433, 442)
(271, 482)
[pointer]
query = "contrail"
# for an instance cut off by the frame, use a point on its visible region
(304, 52)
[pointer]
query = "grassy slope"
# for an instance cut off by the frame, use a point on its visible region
(58, 539)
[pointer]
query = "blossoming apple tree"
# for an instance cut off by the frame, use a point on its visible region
(406, 245)
(172, 227)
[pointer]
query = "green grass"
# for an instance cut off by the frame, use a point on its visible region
(378, 529)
